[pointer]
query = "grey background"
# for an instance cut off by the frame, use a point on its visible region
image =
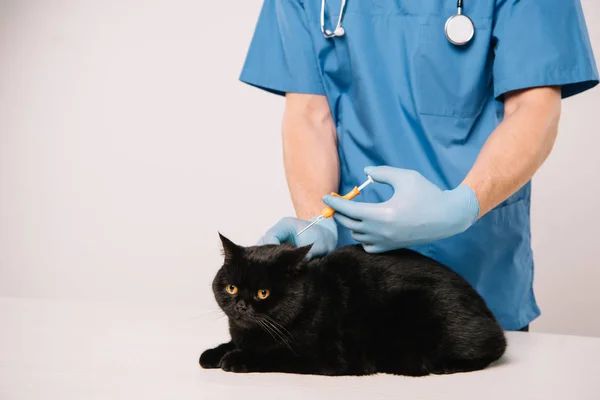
(125, 144)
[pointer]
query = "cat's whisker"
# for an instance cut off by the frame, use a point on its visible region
(277, 324)
(266, 329)
(274, 335)
(280, 338)
(212, 314)
(284, 333)
(217, 311)
(283, 338)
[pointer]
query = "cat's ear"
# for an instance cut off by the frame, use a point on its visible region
(294, 258)
(230, 249)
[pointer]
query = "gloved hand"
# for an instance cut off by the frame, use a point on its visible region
(323, 236)
(418, 212)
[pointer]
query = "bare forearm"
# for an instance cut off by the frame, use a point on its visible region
(310, 153)
(517, 148)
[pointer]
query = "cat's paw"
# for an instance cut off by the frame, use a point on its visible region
(211, 358)
(235, 361)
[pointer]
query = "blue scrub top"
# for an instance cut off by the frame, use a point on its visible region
(402, 95)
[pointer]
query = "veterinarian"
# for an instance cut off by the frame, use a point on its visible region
(452, 124)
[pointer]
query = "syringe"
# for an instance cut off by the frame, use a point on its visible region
(328, 211)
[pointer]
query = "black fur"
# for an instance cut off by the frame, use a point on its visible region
(350, 313)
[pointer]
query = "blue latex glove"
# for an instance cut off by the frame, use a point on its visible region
(419, 212)
(323, 236)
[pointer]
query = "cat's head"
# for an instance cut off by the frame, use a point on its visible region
(261, 282)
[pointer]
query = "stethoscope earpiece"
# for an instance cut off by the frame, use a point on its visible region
(459, 28)
(339, 31)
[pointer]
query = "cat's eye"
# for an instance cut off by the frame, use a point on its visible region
(263, 294)
(231, 289)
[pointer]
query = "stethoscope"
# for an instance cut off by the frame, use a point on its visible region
(459, 28)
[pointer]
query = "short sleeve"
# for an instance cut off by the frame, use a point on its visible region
(281, 57)
(542, 43)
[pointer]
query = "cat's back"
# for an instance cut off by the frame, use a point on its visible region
(403, 264)
(399, 275)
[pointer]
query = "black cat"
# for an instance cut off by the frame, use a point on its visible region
(349, 313)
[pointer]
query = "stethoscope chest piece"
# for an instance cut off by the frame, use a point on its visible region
(459, 29)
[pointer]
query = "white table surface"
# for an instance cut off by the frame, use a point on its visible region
(52, 349)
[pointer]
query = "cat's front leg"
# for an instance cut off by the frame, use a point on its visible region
(273, 361)
(212, 358)
(238, 361)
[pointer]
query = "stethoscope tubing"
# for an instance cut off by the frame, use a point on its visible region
(339, 30)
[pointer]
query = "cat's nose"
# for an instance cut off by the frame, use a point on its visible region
(241, 306)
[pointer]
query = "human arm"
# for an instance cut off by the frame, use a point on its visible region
(281, 60)
(542, 54)
(309, 152)
(420, 212)
(312, 169)
(517, 148)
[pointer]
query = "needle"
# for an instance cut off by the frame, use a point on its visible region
(316, 221)
(328, 211)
